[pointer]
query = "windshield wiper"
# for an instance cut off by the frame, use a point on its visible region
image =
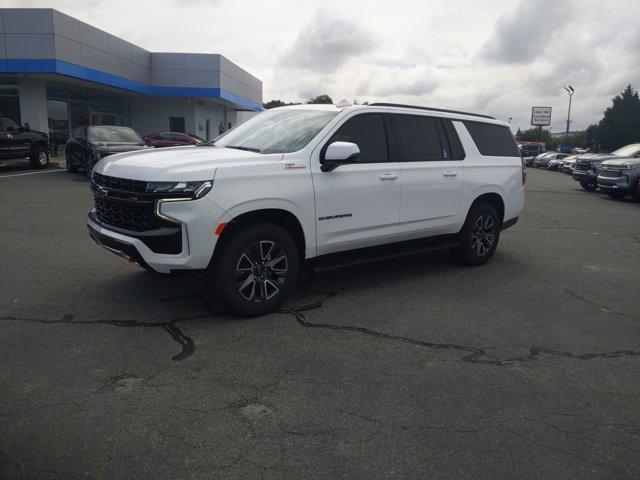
(248, 149)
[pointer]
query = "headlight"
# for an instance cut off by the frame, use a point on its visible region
(630, 166)
(192, 189)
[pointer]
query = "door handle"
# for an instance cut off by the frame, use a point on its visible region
(388, 176)
(449, 173)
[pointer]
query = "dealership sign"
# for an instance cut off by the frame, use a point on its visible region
(541, 116)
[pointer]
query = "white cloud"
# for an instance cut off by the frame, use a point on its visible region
(497, 56)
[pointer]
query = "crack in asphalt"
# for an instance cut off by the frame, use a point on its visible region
(604, 308)
(187, 344)
(471, 354)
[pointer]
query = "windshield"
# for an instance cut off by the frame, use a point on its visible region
(114, 135)
(628, 151)
(277, 131)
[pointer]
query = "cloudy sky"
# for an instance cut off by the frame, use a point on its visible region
(495, 57)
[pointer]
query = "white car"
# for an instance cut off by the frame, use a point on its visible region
(322, 184)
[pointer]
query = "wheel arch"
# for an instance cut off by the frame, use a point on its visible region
(493, 198)
(36, 144)
(280, 216)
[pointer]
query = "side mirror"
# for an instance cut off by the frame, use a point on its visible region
(26, 127)
(339, 153)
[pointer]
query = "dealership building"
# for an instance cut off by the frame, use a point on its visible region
(58, 73)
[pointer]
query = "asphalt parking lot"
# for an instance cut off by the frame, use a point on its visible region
(528, 367)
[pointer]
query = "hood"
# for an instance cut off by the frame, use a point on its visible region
(110, 148)
(189, 163)
(596, 157)
(621, 161)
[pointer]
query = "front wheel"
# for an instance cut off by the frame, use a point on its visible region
(72, 166)
(255, 269)
(588, 186)
(479, 235)
(616, 195)
(39, 157)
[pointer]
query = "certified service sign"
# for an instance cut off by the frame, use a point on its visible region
(541, 116)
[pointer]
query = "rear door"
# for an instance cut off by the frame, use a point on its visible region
(357, 205)
(431, 158)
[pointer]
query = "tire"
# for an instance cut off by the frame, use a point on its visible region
(244, 280)
(72, 167)
(88, 165)
(588, 186)
(616, 195)
(39, 157)
(479, 235)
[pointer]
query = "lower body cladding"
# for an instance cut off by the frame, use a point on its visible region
(196, 221)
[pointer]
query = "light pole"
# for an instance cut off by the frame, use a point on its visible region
(570, 91)
(510, 118)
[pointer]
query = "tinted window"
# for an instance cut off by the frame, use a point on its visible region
(367, 131)
(493, 140)
(417, 138)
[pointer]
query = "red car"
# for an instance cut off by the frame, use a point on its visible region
(170, 139)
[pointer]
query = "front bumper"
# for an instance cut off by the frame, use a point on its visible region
(197, 219)
(620, 184)
(588, 176)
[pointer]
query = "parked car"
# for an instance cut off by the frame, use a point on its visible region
(621, 177)
(170, 139)
(88, 145)
(538, 162)
(586, 167)
(528, 161)
(555, 161)
(322, 184)
(18, 142)
(531, 149)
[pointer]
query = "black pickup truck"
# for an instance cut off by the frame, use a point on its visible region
(17, 142)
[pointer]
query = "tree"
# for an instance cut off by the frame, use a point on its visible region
(621, 122)
(320, 99)
(273, 104)
(537, 135)
(591, 137)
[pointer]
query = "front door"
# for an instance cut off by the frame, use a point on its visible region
(357, 205)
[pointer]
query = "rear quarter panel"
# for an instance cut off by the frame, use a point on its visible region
(490, 174)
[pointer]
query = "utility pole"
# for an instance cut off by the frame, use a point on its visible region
(570, 90)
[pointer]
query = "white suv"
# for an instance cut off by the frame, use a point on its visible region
(321, 184)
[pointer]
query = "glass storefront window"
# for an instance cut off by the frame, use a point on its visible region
(56, 90)
(9, 100)
(71, 106)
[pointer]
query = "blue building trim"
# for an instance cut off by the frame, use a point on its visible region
(96, 76)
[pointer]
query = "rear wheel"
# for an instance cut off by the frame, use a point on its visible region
(255, 269)
(479, 235)
(588, 186)
(39, 157)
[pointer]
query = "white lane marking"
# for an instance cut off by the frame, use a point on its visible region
(33, 173)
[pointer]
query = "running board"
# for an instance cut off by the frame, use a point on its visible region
(335, 261)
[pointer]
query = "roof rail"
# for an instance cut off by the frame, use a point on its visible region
(429, 108)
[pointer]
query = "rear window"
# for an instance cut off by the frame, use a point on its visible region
(417, 138)
(493, 140)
